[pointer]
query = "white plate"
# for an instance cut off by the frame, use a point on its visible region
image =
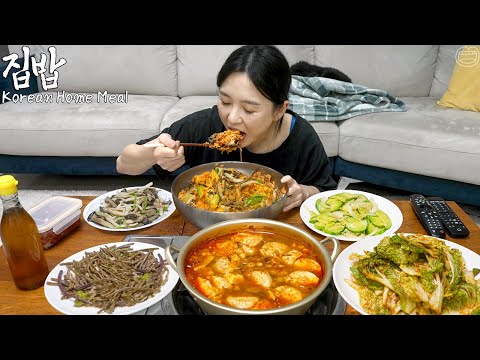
(100, 200)
(341, 268)
(383, 204)
(53, 294)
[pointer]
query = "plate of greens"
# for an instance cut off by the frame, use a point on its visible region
(351, 215)
(405, 273)
(112, 279)
(130, 208)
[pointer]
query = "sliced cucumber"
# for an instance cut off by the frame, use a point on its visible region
(327, 217)
(342, 197)
(212, 199)
(380, 219)
(200, 190)
(321, 224)
(380, 231)
(373, 230)
(349, 214)
(313, 217)
(334, 228)
(321, 207)
(356, 225)
(387, 223)
(334, 204)
(362, 197)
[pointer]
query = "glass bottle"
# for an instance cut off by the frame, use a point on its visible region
(22, 243)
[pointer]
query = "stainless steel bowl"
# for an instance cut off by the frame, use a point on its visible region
(211, 307)
(202, 218)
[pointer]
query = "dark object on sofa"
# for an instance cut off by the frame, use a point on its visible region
(303, 68)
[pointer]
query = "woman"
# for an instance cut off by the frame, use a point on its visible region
(253, 88)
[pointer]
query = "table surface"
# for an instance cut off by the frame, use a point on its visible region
(33, 302)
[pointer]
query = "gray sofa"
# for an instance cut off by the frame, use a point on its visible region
(428, 149)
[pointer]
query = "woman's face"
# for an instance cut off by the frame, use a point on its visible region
(242, 107)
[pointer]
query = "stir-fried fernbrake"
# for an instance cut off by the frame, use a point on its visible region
(230, 190)
(130, 209)
(111, 277)
(414, 274)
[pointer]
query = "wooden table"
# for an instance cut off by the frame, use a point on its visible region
(14, 301)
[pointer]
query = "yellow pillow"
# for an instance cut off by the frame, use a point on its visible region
(464, 87)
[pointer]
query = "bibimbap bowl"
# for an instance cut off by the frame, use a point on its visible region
(202, 218)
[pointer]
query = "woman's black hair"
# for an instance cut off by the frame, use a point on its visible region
(267, 68)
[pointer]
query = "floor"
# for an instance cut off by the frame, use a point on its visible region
(94, 184)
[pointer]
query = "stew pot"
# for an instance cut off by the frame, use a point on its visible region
(226, 227)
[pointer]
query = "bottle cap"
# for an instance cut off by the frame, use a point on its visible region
(8, 185)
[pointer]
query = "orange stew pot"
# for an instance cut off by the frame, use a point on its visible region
(254, 266)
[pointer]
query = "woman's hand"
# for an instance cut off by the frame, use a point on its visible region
(170, 157)
(297, 193)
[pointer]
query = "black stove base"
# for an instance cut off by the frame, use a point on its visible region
(180, 302)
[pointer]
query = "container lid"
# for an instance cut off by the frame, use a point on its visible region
(53, 210)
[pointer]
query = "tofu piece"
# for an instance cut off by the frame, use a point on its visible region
(307, 264)
(287, 294)
(241, 302)
(248, 239)
(234, 279)
(206, 287)
(223, 265)
(260, 278)
(220, 282)
(302, 278)
(274, 249)
(226, 247)
(290, 256)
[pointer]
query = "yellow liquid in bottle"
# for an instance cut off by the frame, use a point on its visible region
(23, 248)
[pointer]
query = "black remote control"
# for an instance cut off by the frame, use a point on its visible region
(451, 222)
(429, 218)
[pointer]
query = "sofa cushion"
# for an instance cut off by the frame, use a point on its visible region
(443, 69)
(96, 129)
(140, 69)
(401, 70)
(186, 106)
(329, 133)
(464, 87)
(427, 139)
(198, 65)
(326, 130)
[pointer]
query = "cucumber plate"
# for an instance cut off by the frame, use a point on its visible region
(351, 215)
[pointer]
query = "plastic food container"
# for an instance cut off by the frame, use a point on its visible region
(56, 217)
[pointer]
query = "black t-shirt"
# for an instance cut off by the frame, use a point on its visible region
(301, 155)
